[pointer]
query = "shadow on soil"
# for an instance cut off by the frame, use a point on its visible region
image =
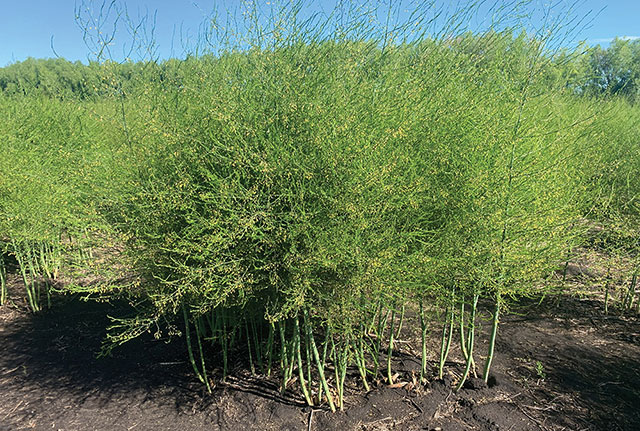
(50, 378)
(590, 362)
(50, 375)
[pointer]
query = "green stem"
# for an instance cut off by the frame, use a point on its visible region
(470, 342)
(187, 332)
(28, 282)
(628, 300)
(342, 357)
(463, 341)
(400, 322)
(270, 343)
(336, 369)
(390, 349)
(303, 385)
(381, 327)
(492, 339)
(360, 362)
(3, 282)
(325, 347)
(197, 325)
(446, 340)
(316, 356)
(251, 365)
(225, 345)
(284, 363)
(423, 335)
(257, 345)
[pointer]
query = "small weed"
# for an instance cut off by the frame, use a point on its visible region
(540, 370)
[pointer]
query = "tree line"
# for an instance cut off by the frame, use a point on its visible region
(594, 71)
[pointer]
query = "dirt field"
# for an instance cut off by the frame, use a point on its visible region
(561, 365)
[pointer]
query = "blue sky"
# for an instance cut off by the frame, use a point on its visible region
(27, 27)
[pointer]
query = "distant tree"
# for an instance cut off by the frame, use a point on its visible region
(614, 70)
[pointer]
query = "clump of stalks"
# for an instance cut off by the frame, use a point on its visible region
(613, 203)
(45, 190)
(305, 185)
(287, 194)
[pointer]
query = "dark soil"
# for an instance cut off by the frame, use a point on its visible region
(561, 365)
